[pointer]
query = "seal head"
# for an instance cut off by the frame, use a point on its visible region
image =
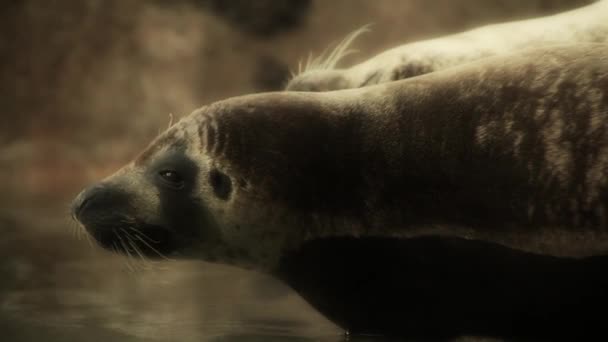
(237, 182)
(150, 206)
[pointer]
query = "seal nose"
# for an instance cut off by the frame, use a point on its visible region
(83, 199)
(78, 203)
(100, 209)
(93, 200)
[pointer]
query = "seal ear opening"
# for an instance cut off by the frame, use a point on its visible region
(221, 183)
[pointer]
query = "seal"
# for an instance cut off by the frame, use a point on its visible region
(383, 205)
(585, 24)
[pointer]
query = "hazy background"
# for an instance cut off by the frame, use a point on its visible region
(86, 84)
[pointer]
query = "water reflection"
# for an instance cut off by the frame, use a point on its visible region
(56, 285)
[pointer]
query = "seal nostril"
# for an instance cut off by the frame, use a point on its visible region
(83, 204)
(84, 199)
(79, 204)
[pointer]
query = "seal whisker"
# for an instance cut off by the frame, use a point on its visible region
(78, 230)
(313, 62)
(134, 245)
(130, 257)
(149, 264)
(82, 233)
(74, 229)
(124, 261)
(144, 235)
(74, 225)
(328, 60)
(87, 237)
(152, 248)
(170, 120)
(127, 220)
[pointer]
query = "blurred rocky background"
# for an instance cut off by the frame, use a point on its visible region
(86, 84)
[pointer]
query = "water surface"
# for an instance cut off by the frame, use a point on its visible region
(59, 286)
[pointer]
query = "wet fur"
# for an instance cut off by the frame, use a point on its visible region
(587, 24)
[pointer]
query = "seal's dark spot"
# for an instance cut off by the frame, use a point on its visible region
(222, 186)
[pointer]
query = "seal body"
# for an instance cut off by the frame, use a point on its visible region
(437, 288)
(494, 171)
(586, 24)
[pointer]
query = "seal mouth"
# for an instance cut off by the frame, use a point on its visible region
(106, 213)
(143, 240)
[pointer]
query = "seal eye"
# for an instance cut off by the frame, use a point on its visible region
(172, 178)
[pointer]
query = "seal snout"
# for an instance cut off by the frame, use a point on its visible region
(93, 201)
(81, 201)
(98, 208)
(107, 214)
